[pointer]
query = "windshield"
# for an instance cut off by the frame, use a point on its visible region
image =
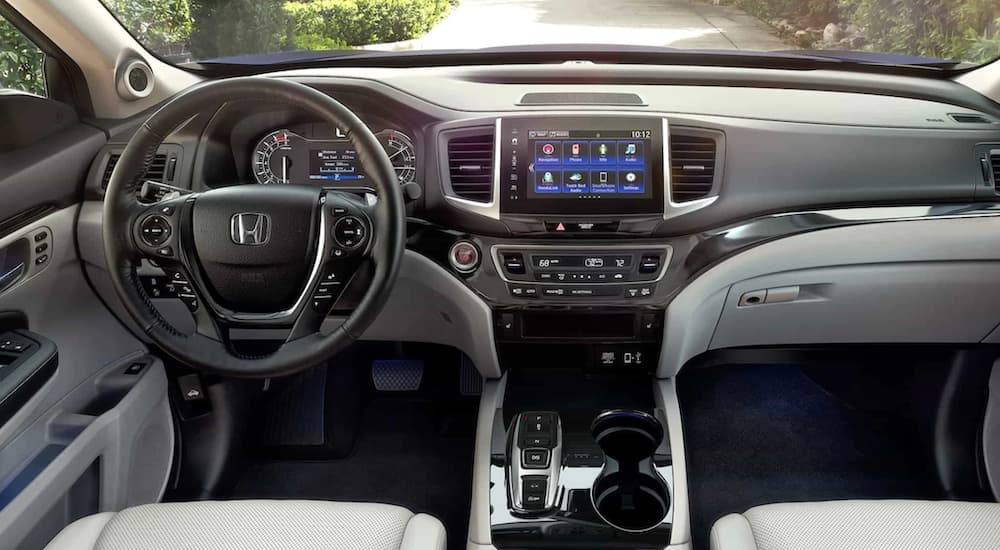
(925, 31)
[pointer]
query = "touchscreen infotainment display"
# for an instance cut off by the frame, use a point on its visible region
(581, 166)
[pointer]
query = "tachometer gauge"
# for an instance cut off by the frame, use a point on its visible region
(401, 153)
(272, 158)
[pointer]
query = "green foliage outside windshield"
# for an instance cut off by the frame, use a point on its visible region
(20, 61)
(960, 30)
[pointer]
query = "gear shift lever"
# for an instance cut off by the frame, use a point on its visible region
(534, 458)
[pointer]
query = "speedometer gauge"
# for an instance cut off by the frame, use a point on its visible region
(401, 153)
(272, 158)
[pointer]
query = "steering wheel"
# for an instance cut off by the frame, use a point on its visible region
(254, 256)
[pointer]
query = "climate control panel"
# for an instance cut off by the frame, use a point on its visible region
(570, 273)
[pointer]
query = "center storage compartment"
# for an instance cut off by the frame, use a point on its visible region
(629, 493)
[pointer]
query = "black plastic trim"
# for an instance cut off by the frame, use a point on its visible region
(41, 361)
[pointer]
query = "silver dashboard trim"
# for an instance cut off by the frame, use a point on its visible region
(497, 248)
(488, 209)
(673, 209)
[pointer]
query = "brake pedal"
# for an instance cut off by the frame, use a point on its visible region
(397, 374)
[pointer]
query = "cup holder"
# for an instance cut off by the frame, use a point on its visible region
(629, 494)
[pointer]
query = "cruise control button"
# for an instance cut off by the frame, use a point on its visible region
(349, 232)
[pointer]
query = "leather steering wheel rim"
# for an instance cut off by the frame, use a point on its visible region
(198, 350)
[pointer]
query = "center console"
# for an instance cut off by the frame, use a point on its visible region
(582, 453)
(594, 468)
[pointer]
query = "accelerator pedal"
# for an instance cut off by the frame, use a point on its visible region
(397, 374)
(470, 382)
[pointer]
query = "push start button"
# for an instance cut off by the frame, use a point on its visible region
(464, 256)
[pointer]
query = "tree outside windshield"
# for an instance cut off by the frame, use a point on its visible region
(188, 30)
(191, 30)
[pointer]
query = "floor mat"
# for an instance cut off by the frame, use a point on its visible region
(412, 453)
(763, 434)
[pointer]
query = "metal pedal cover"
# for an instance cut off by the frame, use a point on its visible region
(397, 374)
(470, 382)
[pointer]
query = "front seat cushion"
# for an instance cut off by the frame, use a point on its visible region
(862, 525)
(255, 524)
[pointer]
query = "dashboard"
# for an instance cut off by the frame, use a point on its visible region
(593, 206)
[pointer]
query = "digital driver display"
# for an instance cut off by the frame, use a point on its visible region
(338, 163)
(581, 166)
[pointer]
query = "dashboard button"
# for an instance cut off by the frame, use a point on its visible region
(513, 263)
(649, 264)
(640, 291)
(535, 458)
(554, 291)
(464, 257)
(522, 291)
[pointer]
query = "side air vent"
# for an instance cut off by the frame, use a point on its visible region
(155, 172)
(470, 166)
(692, 164)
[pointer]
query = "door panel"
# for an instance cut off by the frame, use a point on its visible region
(98, 434)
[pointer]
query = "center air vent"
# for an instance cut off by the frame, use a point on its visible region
(995, 165)
(692, 164)
(470, 166)
(155, 172)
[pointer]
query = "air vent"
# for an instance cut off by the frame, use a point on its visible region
(970, 118)
(995, 165)
(692, 166)
(155, 171)
(470, 166)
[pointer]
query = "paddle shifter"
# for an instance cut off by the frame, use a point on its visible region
(534, 458)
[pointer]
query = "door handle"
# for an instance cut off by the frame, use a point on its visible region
(12, 276)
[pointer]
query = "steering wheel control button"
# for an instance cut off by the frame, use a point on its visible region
(165, 251)
(349, 232)
(154, 230)
(464, 257)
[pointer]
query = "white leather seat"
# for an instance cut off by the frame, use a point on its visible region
(255, 524)
(862, 525)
